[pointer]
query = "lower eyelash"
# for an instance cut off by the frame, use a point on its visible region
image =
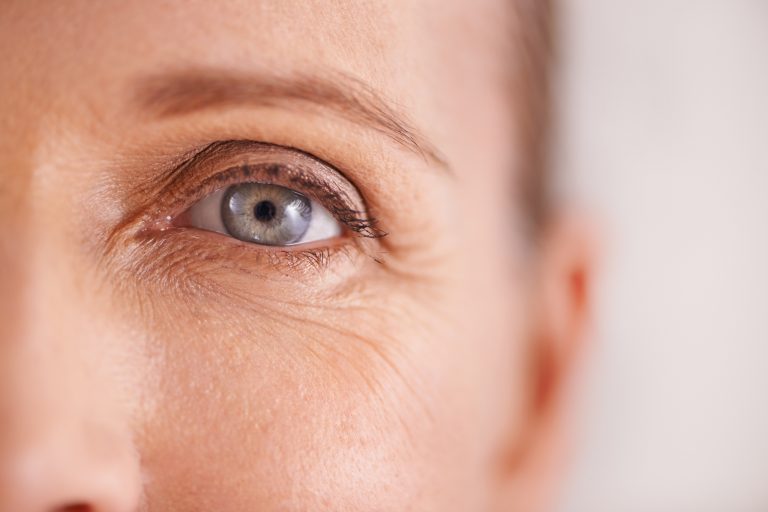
(180, 261)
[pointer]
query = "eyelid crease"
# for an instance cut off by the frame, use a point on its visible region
(191, 90)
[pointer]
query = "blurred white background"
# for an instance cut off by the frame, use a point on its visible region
(664, 133)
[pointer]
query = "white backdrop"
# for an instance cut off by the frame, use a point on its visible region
(664, 122)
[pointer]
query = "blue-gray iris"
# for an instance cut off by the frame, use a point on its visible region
(265, 214)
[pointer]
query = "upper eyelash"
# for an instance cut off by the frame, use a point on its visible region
(357, 221)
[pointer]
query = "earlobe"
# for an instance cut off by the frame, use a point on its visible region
(559, 312)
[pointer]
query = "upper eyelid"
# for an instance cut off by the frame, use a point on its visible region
(214, 167)
(252, 173)
(224, 157)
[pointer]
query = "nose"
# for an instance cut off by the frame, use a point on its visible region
(68, 467)
(65, 443)
(63, 446)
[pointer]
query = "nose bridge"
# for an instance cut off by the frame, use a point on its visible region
(42, 327)
(12, 281)
(14, 265)
(64, 433)
(45, 368)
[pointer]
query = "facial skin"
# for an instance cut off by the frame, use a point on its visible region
(147, 364)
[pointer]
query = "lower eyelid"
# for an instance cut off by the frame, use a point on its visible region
(207, 262)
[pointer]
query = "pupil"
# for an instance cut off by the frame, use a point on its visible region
(265, 211)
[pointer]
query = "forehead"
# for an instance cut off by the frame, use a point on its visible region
(434, 59)
(389, 43)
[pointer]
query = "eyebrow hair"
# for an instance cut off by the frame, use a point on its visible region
(184, 92)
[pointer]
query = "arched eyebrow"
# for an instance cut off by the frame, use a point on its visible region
(184, 92)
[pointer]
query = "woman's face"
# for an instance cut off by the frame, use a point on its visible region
(357, 329)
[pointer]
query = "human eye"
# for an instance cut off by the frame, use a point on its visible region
(246, 208)
(265, 214)
(269, 196)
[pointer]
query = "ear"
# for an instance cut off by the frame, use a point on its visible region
(559, 313)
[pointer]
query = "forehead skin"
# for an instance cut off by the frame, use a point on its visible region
(372, 389)
(423, 56)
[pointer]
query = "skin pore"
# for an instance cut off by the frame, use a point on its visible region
(412, 363)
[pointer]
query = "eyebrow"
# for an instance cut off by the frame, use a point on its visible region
(185, 92)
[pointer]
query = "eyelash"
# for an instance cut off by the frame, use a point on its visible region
(190, 182)
(357, 221)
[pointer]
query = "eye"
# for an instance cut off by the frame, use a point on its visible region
(264, 214)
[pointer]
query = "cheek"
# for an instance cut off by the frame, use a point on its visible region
(292, 414)
(393, 394)
(373, 407)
